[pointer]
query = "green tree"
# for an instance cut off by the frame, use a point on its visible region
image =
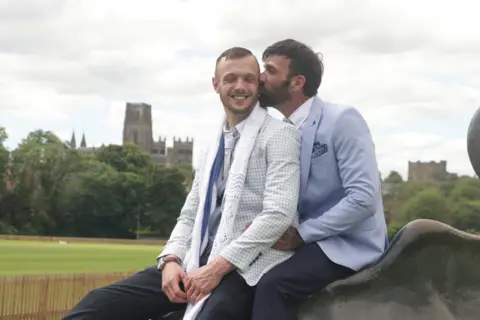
(5, 226)
(466, 189)
(127, 158)
(188, 173)
(411, 188)
(467, 215)
(393, 228)
(4, 154)
(132, 189)
(394, 177)
(41, 165)
(92, 204)
(166, 193)
(429, 203)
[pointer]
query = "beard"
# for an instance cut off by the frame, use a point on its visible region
(274, 96)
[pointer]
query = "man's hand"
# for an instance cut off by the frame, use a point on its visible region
(172, 275)
(202, 281)
(289, 241)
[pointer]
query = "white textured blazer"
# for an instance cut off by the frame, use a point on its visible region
(270, 197)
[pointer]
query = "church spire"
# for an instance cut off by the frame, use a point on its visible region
(73, 141)
(83, 144)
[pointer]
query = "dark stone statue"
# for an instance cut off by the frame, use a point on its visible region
(429, 272)
(473, 142)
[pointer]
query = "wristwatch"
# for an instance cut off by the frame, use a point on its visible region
(163, 260)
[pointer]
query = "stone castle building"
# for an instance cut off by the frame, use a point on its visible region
(428, 170)
(138, 130)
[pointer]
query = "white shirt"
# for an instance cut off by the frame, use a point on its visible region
(231, 136)
(239, 127)
(299, 116)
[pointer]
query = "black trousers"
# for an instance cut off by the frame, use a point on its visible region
(281, 289)
(140, 297)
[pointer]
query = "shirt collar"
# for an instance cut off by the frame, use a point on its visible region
(299, 116)
(235, 130)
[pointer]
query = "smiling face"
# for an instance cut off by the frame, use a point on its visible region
(236, 81)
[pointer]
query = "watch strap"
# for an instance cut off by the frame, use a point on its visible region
(164, 260)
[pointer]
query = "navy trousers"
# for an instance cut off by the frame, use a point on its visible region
(140, 297)
(280, 290)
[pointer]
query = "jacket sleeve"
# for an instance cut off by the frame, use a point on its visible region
(180, 237)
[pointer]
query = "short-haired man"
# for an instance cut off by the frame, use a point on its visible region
(250, 174)
(341, 226)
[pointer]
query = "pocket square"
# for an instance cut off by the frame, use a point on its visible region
(319, 149)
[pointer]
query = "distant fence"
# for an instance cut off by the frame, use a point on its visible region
(84, 240)
(48, 297)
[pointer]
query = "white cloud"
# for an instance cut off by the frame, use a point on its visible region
(412, 68)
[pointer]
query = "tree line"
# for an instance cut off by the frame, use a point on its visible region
(50, 188)
(455, 201)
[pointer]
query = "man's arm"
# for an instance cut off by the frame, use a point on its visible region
(280, 199)
(177, 244)
(355, 153)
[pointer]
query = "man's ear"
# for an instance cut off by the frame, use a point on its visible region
(297, 83)
(215, 85)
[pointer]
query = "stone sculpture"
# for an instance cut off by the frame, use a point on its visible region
(429, 272)
(473, 142)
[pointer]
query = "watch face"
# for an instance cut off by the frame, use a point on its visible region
(161, 263)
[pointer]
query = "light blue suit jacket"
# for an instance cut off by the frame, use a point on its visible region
(340, 205)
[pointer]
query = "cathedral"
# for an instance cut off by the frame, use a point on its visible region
(137, 129)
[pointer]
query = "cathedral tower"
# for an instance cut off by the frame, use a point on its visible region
(137, 126)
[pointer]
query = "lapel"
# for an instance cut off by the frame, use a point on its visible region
(309, 131)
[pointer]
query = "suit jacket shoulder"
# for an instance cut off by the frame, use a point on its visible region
(274, 130)
(335, 114)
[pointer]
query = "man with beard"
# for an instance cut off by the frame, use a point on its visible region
(341, 226)
(249, 174)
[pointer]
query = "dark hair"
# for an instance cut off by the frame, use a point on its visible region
(303, 61)
(234, 53)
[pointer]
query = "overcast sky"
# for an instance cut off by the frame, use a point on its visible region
(412, 69)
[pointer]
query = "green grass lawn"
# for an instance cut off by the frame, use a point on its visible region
(30, 257)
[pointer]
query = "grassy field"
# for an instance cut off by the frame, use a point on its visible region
(31, 257)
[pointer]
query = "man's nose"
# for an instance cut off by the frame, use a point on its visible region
(240, 85)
